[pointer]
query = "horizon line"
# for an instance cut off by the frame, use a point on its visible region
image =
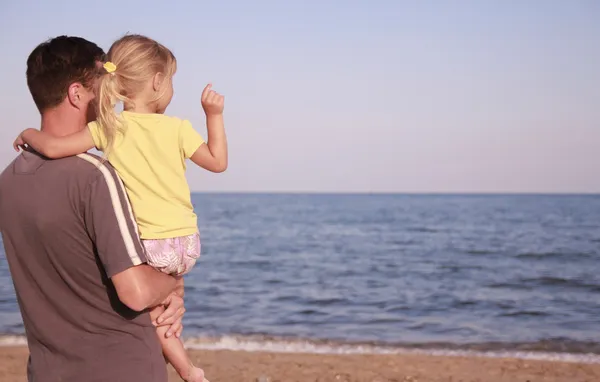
(408, 193)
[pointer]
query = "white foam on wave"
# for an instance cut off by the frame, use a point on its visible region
(297, 346)
(237, 343)
(9, 340)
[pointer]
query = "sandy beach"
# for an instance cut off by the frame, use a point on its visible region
(232, 366)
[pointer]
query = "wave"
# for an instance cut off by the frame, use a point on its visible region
(554, 256)
(525, 313)
(550, 281)
(12, 340)
(546, 281)
(282, 345)
(479, 252)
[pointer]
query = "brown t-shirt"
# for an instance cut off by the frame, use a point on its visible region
(67, 228)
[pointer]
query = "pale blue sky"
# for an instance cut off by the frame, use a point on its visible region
(400, 96)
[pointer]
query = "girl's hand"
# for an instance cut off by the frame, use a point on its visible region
(212, 102)
(19, 143)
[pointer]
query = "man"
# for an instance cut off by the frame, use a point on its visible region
(71, 242)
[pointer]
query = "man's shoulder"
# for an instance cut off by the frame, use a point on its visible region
(83, 167)
(95, 163)
(89, 167)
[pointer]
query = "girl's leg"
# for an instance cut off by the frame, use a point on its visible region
(174, 256)
(175, 352)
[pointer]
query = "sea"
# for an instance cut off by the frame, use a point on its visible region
(490, 275)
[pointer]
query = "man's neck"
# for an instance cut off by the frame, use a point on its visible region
(60, 124)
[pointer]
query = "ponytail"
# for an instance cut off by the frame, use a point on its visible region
(109, 122)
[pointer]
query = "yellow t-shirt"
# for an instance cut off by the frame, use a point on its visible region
(150, 159)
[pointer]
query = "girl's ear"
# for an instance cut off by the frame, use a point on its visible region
(157, 81)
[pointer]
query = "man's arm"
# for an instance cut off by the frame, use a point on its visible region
(141, 287)
(111, 226)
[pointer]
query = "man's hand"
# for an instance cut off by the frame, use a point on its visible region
(212, 102)
(172, 315)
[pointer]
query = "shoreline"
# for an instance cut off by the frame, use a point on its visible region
(308, 346)
(241, 366)
(276, 345)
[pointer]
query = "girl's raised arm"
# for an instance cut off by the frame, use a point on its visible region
(212, 156)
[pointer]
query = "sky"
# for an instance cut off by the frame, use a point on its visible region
(358, 96)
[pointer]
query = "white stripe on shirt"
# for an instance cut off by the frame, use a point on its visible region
(128, 238)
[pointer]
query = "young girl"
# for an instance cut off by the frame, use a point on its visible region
(148, 150)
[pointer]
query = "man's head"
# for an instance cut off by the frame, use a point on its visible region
(61, 72)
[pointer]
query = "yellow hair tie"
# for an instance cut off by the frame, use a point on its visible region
(110, 67)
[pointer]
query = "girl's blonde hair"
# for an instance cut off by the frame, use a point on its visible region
(135, 60)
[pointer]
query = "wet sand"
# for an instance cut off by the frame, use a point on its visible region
(231, 366)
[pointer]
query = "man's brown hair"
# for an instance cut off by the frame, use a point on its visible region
(56, 64)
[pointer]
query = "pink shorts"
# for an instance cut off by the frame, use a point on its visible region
(174, 256)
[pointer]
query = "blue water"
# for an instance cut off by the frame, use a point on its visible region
(460, 271)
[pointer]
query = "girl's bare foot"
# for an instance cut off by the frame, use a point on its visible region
(195, 374)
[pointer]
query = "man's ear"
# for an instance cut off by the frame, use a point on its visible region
(74, 94)
(157, 81)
